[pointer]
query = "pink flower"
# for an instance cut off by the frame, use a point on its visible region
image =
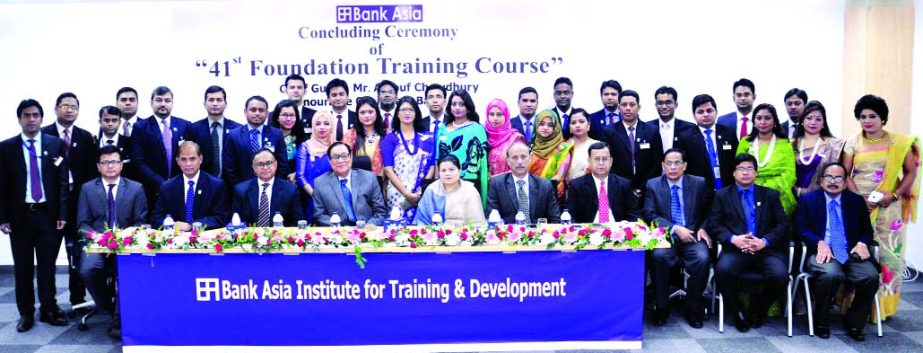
(430, 237)
(300, 243)
(195, 231)
(102, 242)
(448, 231)
(556, 234)
(413, 245)
(629, 234)
(126, 241)
(353, 237)
(491, 237)
(90, 235)
(607, 233)
(581, 233)
(463, 236)
(571, 237)
(413, 233)
(897, 225)
(440, 234)
(509, 227)
(219, 248)
(391, 237)
(291, 239)
(514, 237)
(531, 234)
(109, 235)
(362, 235)
(113, 245)
(192, 239)
(150, 246)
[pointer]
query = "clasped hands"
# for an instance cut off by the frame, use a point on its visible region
(748, 244)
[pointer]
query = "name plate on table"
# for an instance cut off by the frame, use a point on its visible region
(403, 301)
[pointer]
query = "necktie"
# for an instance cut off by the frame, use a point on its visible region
(603, 203)
(254, 140)
(388, 122)
(743, 128)
(523, 199)
(528, 131)
(611, 117)
(168, 144)
(126, 128)
(216, 147)
(347, 200)
(837, 235)
(190, 197)
(67, 142)
(110, 142)
(263, 218)
(676, 208)
(564, 123)
(339, 127)
(35, 179)
(712, 158)
(747, 201)
(631, 147)
(112, 217)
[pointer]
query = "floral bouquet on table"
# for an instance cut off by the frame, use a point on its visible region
(112, 239)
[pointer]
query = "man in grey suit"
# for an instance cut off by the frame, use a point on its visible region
(679, 203)
(518, 190)
(353, 194)
(107, 202)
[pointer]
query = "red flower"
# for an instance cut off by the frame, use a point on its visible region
(391, 237)
(291, 239)
(195, 231)
(192, 239)
(126, 241)
(300, 243)
(150, 246)
(509, 227)
(423, 231)
(90, 235)
(413, 245)
(556, 234)
(448, 231)
(531, 234)
(113, 245)
(440, 234)
(362, 235)
(607, 233)
(219, 248)
(464, 236)
(582, 232)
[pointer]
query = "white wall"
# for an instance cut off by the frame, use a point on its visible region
(93, 48)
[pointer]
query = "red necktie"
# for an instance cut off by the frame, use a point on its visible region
(603, 203)
(743, 128)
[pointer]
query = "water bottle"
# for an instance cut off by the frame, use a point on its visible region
(277, 220)
(396, 213)
(494, 219)
(235, 220)
(565, 217)
(168, 223)
(335, 220)
(437, 218)
(520, 218)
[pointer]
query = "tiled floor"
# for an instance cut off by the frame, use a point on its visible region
(903, 332)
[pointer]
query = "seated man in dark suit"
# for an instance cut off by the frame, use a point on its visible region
(833, 223)
(680, 203)
(518, 190)
(107, 202)
(193, 196)
(583, 193)
(749, 221)
(258, 200)
(352, 194)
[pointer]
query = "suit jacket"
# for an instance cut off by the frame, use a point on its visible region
(679, 126)
(368, 203)
(697, 199)
(124, 145)
(210, 205)
(83, 155)
(727, 218)
(583, 199)
(238, 156)
(516, 122)
(284, 200)
(502, 196)
(200, 132)
(149, 155)
(811, 218)
(565, 123)
(692, 141)
(13, 178)
(598, 123)
(93, 205)
(730, 120)
(352, 120)
(788, 128)
(648, 153)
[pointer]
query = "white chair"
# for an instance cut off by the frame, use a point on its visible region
(755, 277)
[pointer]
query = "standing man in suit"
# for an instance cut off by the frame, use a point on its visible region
(749, 221)
(295, 87)
(795, 99)
(602, 190)
(246, 140)
(126, 99)
(635, 146)
(110, 201)
(669, 126)
(79, 153)
(338, 96)
(33, 211)
(435, 102)
(193, 196)
(742, 119)
(509, 193)
(563, 94)
(713, 146)
(528, 103)
(353, 194)
(109, 125)
(257, 200)
(679, 203)
(213, 131)
(833, 223)
(387, 99)
(154, 142)
(609, 94)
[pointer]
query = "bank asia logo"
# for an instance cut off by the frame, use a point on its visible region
(379, 13)
(207, 290)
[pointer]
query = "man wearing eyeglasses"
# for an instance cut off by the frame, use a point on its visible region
(193, 196)
(257, 200)
(833, 223)
(106, 203)
(749, 221)
(679, 203)
(353, 194)
(601, 196)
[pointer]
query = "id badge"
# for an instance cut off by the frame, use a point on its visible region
(645, 146)
(726, 147)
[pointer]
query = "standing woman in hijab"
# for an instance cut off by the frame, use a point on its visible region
(550, 153)
(500, 136)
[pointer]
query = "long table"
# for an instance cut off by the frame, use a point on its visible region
(404, 300)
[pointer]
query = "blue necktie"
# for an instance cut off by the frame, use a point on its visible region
(190, 196)
(676, 208)
(347, 200)
(564, 124)
(112, 218)
(528, 131)
(254, 140)
(749, 214)
(712, 157)
(837, 236)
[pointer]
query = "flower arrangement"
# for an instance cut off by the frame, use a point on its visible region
(621, 235)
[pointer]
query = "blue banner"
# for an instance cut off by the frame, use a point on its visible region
(410, 298)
